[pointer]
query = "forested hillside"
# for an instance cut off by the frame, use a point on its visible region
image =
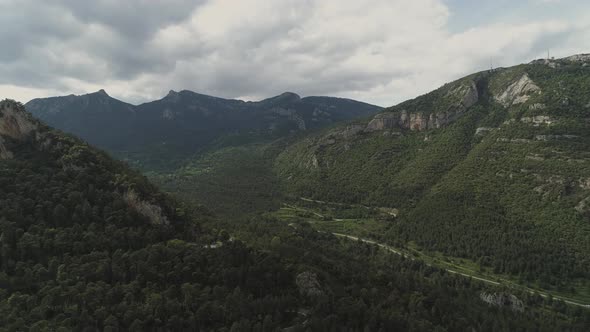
(87, 245)
(493, 167)
(162, 134)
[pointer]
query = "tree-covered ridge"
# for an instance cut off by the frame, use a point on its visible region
(79, 252)
(504, 184)
(161, 134)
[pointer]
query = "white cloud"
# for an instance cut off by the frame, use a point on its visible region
(381, 51)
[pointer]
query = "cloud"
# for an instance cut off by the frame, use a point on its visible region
(381, 51)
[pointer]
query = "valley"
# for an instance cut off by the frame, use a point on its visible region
(473, 196)
(294, 166)
(368, 229)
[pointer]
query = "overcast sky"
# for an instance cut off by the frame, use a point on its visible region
(379, 51)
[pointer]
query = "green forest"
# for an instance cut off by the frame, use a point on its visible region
(238, 237)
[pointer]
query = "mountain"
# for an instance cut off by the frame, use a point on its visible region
(493, 169)
(184, 123)
(95, 112)
(87, 244)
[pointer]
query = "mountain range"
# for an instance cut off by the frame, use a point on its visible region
(487, 177)
(184, 123)
(88, 244)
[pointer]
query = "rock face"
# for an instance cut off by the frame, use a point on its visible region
(578, 58)
(503, 300)
(583, 205)
(537, 106)
(14, 124)
(518, 92)
(537, 120)
(419, 121)
(152, 212)
(481, 131)
(308, 284)
(584, 183)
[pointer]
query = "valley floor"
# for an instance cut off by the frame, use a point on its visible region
(367, 229)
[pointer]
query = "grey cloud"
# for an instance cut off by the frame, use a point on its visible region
(37, 32)
(139, 49)
(135, 19)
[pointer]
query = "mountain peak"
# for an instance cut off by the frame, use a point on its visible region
(289, 95)
(285, 97)
(102, 92)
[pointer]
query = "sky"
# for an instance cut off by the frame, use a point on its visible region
(378, 51)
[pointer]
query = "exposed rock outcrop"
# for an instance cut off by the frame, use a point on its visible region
(481, 131)
(554, 137)
(518, 92)
(352, 130)
(503, 300)
(308, 284)
(383, 121)
(14, 124)
(584, 183)
(537, 106)
(313, 162)
(583, 205)
(578, 58)
(422, 120)
(152, 212)
(537, 120)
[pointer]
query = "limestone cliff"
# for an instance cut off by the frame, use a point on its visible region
(518, 92)
(463, 96)
(15, 124)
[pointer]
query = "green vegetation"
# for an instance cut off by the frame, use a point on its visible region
(231, 181)
(502, 193)
(376, 228)
(163, 134)
(496, 187)
(80, 252)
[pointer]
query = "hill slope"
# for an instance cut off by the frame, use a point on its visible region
(88, 245)
(184, 123)
(493, 167)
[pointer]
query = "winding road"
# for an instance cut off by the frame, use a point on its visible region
(489, 281)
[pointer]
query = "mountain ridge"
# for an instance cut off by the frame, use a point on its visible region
(89, 244)
(501, 179)
(184, 123)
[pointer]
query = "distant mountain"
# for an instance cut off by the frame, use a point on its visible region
(182, 123)
(494, 167)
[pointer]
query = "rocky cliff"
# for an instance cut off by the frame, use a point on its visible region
(462, 98)
(518, 92)
(15, 124)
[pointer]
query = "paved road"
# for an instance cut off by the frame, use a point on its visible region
(398, 252)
